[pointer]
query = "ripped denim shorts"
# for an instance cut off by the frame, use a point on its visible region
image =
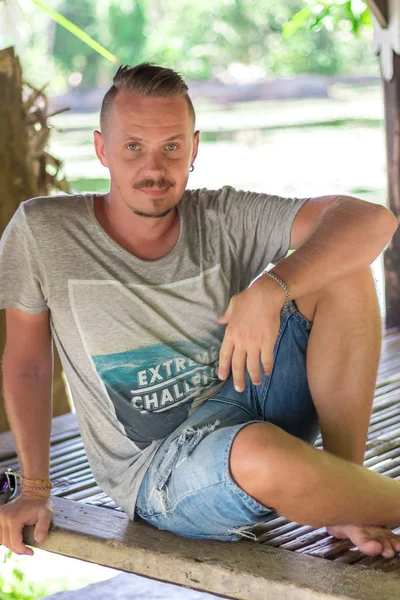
(188, 488)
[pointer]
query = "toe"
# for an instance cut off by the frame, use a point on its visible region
(367, 540)
(395, 541)
(387, 551)
(370, 547)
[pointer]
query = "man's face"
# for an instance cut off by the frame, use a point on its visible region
(148, 146)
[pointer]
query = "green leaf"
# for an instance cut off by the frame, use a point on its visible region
(366, 17)
(75, 30)
(326, 12)
(296, 22)
(8, 555)
(18, 574)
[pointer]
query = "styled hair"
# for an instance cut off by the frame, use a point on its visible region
(146, 80)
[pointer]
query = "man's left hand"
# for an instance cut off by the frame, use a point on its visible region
(253, 320)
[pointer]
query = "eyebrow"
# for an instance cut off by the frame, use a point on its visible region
(170, 139)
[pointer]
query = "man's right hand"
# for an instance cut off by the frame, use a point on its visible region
(25, 510)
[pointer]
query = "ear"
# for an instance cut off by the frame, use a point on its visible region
(99, 147)
(196, 140)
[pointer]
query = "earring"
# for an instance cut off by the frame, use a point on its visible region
(191, 169)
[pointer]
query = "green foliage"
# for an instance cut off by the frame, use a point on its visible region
(71, 53)
(330, 15)
(16, 587)
(127, 23)
(15, 584)
(230, 39)
(217, 36)
(74, 30)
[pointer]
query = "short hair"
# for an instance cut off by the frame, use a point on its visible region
(145, 79)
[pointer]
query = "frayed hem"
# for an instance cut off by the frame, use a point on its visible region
(184, 445)
(244, 532)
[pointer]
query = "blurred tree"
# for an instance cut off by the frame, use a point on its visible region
(127, 22)
(217, 37)
(231, 40)
(71, 53)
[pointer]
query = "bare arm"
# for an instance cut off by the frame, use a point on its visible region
(335, 237)
(27, 388)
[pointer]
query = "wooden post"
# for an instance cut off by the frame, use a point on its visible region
(386, 22)
(392, 254)
(18, 183)
(380, 10)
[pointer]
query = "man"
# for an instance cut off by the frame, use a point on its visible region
(199, 381)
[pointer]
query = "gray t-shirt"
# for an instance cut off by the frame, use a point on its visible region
(139, 340)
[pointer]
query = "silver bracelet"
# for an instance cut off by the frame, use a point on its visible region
(283, 284)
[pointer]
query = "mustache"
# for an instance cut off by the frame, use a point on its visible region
(149, 183)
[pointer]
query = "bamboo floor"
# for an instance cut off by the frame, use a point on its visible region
(72, 477)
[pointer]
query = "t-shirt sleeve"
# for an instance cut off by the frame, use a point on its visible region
(258, 226)
(22, 274)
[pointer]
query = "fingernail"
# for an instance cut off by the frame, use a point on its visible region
(221, 376)
(238, 388)
(40, 538)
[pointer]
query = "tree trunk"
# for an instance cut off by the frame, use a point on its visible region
(18, 183)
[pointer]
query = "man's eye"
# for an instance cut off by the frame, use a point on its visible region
(169, 146)
(130, 146)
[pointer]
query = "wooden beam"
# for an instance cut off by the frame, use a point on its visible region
(380, 10)
(392, 254)
(243, 570)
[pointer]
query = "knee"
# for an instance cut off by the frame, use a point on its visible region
(253, 454)
(359, 285)
(274, 467)
(355, 293)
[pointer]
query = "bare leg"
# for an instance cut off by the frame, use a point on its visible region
(342, 362)
(310, 486)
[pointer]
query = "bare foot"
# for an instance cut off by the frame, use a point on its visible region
(371, 540)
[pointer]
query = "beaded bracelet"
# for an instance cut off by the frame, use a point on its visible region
(38, 484)
(43, 484)
(34, 487)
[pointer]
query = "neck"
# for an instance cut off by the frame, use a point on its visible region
(124, 222)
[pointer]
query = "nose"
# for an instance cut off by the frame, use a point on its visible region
(154, 164)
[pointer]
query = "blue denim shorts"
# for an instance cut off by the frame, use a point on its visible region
(188, 488)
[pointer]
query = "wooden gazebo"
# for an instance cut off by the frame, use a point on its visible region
(288, 561)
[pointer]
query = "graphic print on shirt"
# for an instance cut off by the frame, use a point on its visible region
(154, 348)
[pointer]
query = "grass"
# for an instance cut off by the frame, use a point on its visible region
(88, 184)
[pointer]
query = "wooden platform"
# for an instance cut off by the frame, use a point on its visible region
(288, 561)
